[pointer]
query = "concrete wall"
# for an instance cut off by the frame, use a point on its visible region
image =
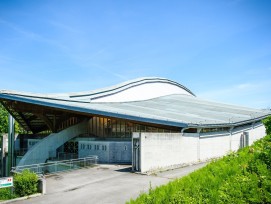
(158, 150)
(213, 146)
(107, 151)
(162, 150)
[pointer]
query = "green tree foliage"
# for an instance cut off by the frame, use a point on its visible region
(267, 123)
(240, 177)
(4, 122)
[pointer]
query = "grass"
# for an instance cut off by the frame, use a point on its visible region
(240, 177)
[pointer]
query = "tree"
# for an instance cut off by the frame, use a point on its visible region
(4, 122)
(3, 119)
(267, 124)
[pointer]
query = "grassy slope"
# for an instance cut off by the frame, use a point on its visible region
(240, 177)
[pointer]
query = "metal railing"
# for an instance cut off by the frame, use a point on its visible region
(58, 166)
(66, 156)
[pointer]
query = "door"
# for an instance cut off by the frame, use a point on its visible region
(136, 154)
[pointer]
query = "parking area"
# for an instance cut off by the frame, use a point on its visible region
(103, 184)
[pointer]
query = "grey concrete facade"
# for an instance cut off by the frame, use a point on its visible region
(107, 151)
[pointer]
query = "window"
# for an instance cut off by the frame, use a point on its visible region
(82, 146)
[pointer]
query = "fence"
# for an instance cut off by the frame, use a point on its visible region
(66, 156)
(58, 166)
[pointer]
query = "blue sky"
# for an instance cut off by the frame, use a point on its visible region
(221, 50)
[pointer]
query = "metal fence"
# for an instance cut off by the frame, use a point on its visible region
(66, 156)
(58, 166)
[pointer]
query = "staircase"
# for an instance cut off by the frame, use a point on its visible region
(41, 151)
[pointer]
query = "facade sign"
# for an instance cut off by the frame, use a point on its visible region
(6, 182)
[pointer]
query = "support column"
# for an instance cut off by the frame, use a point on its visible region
(11, 135)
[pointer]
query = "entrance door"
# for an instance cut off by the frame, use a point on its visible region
(136, 154)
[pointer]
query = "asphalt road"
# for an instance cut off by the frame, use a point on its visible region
(103, 184)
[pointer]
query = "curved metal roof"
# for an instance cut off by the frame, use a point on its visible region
(177, 110)
(128, 85)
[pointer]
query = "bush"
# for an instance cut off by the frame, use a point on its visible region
(267, 124)
(25, 183)
(240, 177)
(6, 194)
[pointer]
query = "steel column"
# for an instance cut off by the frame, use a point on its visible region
(11, 135)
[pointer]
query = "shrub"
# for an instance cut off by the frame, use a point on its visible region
(25, 183)
(6, 194)
(240, 177)
(267, 124)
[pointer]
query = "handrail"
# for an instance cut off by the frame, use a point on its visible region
(57, 166)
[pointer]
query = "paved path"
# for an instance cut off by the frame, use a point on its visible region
(103, 184)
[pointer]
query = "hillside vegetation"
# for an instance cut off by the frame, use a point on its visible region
(240, 177)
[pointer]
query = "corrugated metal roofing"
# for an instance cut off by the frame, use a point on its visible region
(175, 110)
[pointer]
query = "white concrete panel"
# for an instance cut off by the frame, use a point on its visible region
(160, 150)
(143, 92)
(214, 146)
(235, 141)
(256, 133)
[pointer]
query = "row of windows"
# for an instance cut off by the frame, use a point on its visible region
(219, 129)
(98, 147)
(106, 127)
(93, 147)
(206, 130)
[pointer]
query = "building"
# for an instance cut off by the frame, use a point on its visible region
(149, 122)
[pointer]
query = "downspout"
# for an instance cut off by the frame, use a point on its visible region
(231, 129)
(182, 131)
(198, 132)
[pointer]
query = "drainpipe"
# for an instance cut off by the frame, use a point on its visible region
(182, 131)
(231, 129)
(198, 132)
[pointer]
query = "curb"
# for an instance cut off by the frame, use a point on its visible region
(21, 198)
